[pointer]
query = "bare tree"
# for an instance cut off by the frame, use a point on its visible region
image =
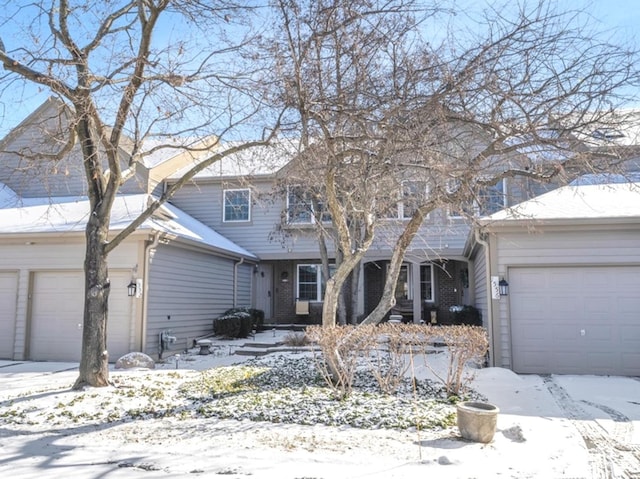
(379, 108)
(129, 72)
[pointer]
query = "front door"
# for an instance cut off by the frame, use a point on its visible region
(264, 289)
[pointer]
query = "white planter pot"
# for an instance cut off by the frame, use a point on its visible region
(477, 421)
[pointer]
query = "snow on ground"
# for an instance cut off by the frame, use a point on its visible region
(548, 427)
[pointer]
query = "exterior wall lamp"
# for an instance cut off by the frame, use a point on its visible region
(284, 277)
(504, 287)
(131, 288)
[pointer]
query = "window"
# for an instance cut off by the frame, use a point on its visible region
(403, 285)
(491, 199)
(413, 194)
(237, 205)
(461, 206)
(311, 283)
(300, 207)
(426, 282)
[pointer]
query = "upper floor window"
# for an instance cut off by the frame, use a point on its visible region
(491, 198)
(461, 207)
(301, 208)
(413, 195)
(237, 205)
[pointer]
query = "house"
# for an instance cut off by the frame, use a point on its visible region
(185, 273)
(571, 259)
(239, 197)
(241, 234)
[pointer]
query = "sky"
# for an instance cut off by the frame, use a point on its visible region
(620, 17)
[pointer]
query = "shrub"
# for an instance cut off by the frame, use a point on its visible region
(466, 314)
(341, 347)
(238, 322)
(386, 348)
(296, 339)
(464, 344)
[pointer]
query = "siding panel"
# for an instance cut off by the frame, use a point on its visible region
(188, 289)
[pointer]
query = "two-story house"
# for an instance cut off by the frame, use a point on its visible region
(239, 234)
(172, 276)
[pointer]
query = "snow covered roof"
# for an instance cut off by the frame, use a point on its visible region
(257, 161)
(614, 200)
(195, 149)
(64, 215)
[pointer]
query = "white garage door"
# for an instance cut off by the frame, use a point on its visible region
(8, 297)
(575, 320)
(56, 317)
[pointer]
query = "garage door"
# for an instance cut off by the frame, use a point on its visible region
(8, 297)
(56, 318)
(575, 320)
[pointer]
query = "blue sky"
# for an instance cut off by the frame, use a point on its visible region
(621, 17)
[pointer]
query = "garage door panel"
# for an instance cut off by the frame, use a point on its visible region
(8, 299)
(57, 316)
(630, 334)
(592, 318)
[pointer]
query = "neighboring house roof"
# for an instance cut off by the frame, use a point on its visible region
(65, 215)
(576, 203)
(8, 197)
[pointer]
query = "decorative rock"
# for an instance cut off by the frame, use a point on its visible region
(135, 360)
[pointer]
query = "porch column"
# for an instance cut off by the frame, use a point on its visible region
(417, 297)
(360, 291)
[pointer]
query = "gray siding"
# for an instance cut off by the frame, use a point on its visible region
(245, 280)
(480, 286)
(33, 177)
(588, 246)
(263, 235)
(187, 290)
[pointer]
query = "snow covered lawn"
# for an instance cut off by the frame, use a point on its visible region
(274, 418)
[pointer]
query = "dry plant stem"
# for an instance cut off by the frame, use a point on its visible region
(464, 343)
(415, 402)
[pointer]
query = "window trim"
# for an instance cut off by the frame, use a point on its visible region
(431, 282)
(224, 205)
(398, 209)
(320, 281)
(309, 209)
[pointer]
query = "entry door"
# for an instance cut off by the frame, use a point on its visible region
(264, 289)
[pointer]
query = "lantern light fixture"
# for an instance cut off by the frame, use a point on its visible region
(131, 288)
(504, 287)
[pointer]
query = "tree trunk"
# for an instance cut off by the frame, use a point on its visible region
(94, 362)
(388, 299)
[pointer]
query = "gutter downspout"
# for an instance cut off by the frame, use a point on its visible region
(150, 244)
(235, 281)
(487, 269)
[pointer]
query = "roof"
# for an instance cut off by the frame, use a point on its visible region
(65, 215)
(196, 149)
(8, 197)
(256, 161)
(586, 202)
